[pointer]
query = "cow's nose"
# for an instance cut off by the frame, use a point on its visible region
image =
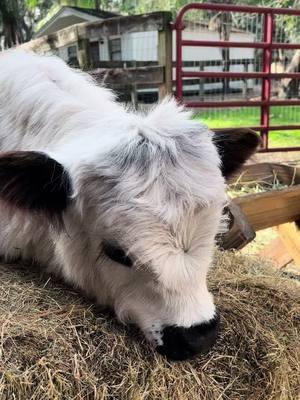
(181, 343)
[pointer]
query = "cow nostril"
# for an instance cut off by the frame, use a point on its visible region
(181, 343)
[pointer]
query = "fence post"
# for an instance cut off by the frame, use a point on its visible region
(83, 53)
(134, 92)
(201, 82)
(165, 55)
(134, 96)
(266, 82)
(245, 81)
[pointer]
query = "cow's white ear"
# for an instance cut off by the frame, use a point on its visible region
(34, 182)
(235, 146)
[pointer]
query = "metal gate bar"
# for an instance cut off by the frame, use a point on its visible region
(267, 45)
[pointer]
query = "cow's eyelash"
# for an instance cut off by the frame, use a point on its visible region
(117, 254)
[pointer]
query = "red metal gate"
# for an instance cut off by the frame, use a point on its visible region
(267, 45)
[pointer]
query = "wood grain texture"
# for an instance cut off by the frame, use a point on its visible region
(264, 210)
(157, 21)
(290, 236)
(277, 253)
(129, 76)
(240, 232)
(266, 172)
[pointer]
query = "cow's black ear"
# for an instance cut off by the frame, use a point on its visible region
(235, 146)
(34, 182)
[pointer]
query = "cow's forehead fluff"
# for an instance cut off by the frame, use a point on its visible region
(163, 162)
(171, 164)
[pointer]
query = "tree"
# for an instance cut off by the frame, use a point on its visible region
(289, 88)
(16, 22)
(222, 22)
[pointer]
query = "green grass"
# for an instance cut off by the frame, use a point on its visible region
(221, 118)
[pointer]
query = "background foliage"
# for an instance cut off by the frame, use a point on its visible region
(18, 18)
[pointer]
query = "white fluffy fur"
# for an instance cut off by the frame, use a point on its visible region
(151, 182)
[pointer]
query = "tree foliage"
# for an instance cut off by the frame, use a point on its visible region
(13, 29)
(18, 17)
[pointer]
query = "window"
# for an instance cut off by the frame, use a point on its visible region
(115, 49)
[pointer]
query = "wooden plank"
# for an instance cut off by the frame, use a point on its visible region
(279, 156)
(83, 54)
(201, 85)
(134, 23)
(45, 44)
(286, 174)
(266, 172)
(277, 253)
(130, 63)
(164, 56)
(123, 64)
(253, 173)
(276, 207)
(290, 236)
(129, 76)
(94, 30)
(134, 97)
(240, 232)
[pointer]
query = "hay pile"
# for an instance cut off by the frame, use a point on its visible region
(55, 345)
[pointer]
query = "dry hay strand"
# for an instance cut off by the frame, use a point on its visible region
(56, 345)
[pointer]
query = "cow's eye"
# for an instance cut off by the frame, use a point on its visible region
(116, 254)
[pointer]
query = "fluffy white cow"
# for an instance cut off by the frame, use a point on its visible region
(124, 206)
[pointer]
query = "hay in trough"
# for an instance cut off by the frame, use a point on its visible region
(56, 345)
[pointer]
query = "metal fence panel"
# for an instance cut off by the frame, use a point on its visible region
(237, 63)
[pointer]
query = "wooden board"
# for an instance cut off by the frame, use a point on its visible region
(156, 21)
(277, 253)
(290, 236)
(264, 210)
(64, 37)
(164, 56)
(265, 172)
(133, 63)
(239, 234)
(123, 64)
(129, 76)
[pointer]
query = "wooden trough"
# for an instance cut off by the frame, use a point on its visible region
(279, 208)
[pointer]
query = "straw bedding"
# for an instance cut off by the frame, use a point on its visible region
(54, 344)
